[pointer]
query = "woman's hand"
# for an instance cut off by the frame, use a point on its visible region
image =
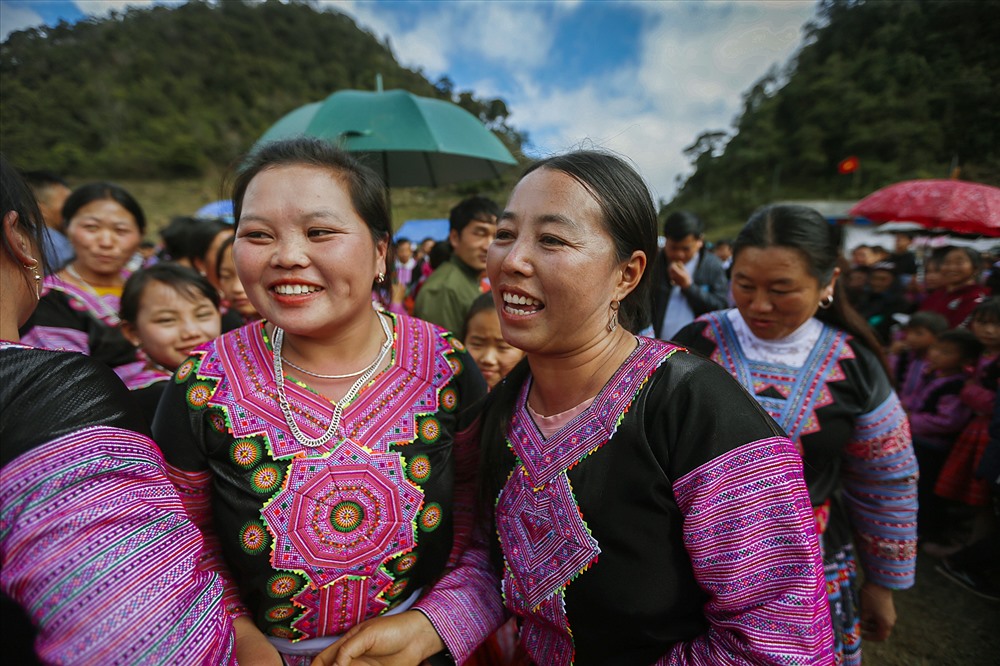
(395, 640)
(252, 647)
(878, 612)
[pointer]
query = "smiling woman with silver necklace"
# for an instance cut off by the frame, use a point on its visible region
(78, 310)
(327, 438)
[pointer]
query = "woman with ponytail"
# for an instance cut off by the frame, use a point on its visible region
(813, 363)
(647, 509)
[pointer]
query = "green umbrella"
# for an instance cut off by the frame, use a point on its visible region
(412, 141)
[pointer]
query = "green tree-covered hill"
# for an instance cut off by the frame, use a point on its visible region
(909, 87)
(182, 91)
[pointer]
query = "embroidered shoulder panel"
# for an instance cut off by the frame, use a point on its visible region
(545, 539)
(790, 395)
(241, 365)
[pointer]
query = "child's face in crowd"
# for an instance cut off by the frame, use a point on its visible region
(919, 339)
(404, 252)
(987, 332)
(932, 277)
(231, 287)
(171, 324)
(880, 281)
(491, 352)
(945, 357)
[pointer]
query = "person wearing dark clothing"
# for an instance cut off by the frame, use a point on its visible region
(687, 280)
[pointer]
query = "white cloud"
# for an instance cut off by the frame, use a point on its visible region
(499, 34)
(105, 7)
(694, 61)
(15, 17)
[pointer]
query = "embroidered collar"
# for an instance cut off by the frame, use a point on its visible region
(542, 458)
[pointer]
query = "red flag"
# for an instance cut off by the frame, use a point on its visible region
(848, 165)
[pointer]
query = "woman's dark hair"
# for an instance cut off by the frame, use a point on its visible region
(965, 342)
(681, 224)
(91, 192)
(185, 281)
(16, 196)
(177, 238)
(987, 312)
(483, 302)
(803, 229)
(203, 234)
(630, 219)
(226, 244)
(368, 193)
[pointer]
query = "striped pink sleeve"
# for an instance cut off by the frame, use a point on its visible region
(880, 493)
(97, 550)
(464, 605)
(57, 338)
(749, 529)
(195, 491)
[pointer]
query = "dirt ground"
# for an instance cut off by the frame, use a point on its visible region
(940, 624)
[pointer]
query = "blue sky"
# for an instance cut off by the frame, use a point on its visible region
(640, 77)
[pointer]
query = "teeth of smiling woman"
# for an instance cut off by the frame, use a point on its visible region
(513, 299)
(292, 289)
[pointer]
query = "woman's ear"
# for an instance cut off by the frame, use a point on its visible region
(632, 271)
(17, 240)
(130, 333)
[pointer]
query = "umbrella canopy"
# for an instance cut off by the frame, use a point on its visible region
(410, 140)
(222, 209)
(955, 205)
(417, 230)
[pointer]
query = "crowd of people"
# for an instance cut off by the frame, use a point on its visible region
(292, 439)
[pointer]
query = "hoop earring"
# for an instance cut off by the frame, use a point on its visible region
(613, 320)
(826, 302)
(38, 279)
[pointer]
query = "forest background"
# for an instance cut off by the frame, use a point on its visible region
(163, 100)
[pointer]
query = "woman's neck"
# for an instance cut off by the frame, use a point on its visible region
(80, 274)
(352, 348)
(562, 382)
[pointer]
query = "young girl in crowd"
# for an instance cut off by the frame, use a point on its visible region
(937, 416)
(166, 311)
(958, 481)
(484, 340)
(240, 310)
(908, 356)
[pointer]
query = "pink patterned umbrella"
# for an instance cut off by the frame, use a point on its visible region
(955, 205)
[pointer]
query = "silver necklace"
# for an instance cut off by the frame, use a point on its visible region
(316, 374)
(107, 312)
(338, 406)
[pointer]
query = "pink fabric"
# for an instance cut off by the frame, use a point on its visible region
(57, 338)
(770, 609)
(97, 549)
(550, 425)
(464, 605)
(195, 490)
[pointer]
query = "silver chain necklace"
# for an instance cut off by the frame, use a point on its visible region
(316, 374)
(338, 406)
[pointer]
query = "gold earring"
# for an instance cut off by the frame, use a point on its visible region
(38, 279)
(613, 320)
(381, 278)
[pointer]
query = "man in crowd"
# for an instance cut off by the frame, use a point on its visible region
(51, 192)
(446, 296)
(688, 281)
